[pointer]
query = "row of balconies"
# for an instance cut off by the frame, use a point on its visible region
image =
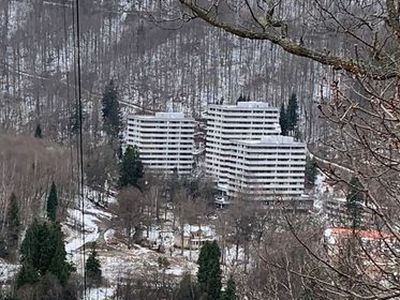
(162, 150)
(288, 179)
(241, 125)
(242, 113)
(162, 137)
(153, 163)
(293, 154)
(157, 141)
(250, 148)
(142, 122)
(163, 132)
(167, 156)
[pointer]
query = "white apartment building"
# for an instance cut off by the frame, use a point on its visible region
(265, 169)
(243, 121)
(164, 140)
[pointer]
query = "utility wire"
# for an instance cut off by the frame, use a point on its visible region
(79, 110)
(72, 107)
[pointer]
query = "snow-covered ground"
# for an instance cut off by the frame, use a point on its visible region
(322, 190)
(117, 261)
(7, 271)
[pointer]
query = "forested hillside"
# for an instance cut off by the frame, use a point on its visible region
(83, 215)
(156, 64)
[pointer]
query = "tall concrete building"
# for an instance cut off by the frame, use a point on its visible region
(246, 155)
(243, 121)
(164, 140)
(267, 168)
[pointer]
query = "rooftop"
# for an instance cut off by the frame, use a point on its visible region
(242, 104)
(163, 116)
(270, 139)
(363, 234)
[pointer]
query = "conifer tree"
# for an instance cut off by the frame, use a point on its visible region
(74, 121)
(292, 114)
(13, 225)
(93, 269)
(111, 111)
(52, 203)
(42, 251)
(3, 248)
(209, 273)
(311, 172)
(131, 168)
(38, 132)
(283, 120)
(230, 292)
(355, 199)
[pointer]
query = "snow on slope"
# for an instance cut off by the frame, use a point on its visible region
(117, 261)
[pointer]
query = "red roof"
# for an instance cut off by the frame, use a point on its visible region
(364, 234)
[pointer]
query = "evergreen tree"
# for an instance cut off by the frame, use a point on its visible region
(74, 121)
(230, 292)
(26, 275)
(292, 114)
(283, 120)
(13, 225)
(43, 251)
(355, 199)
(3, 248)
(38, 132)
(311, 172)
(209, 273)
(92, 269)
(52, 203)
(131, 168)
(111, 112)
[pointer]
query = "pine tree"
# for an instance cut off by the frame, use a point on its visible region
(292, 114)
(74, 121)
(283, 120)
(209, 273)
(3, 248)
(43, 251)
(93, 269)
(111, 112)
(131, 168)
(13, 225)
(38, 132)
(59, 265)
(52, 203)
(26, 275)
(355, 199)
(230, 292)
(311, 172)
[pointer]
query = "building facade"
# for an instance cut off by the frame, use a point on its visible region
(265, 169)
(243, 121)
(164, 140)
(193, 236)
(339, 213)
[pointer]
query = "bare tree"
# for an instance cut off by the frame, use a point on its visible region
(27, 167)
(359, 105)
(130, 212)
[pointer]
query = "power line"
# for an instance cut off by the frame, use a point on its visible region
(79, 110)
